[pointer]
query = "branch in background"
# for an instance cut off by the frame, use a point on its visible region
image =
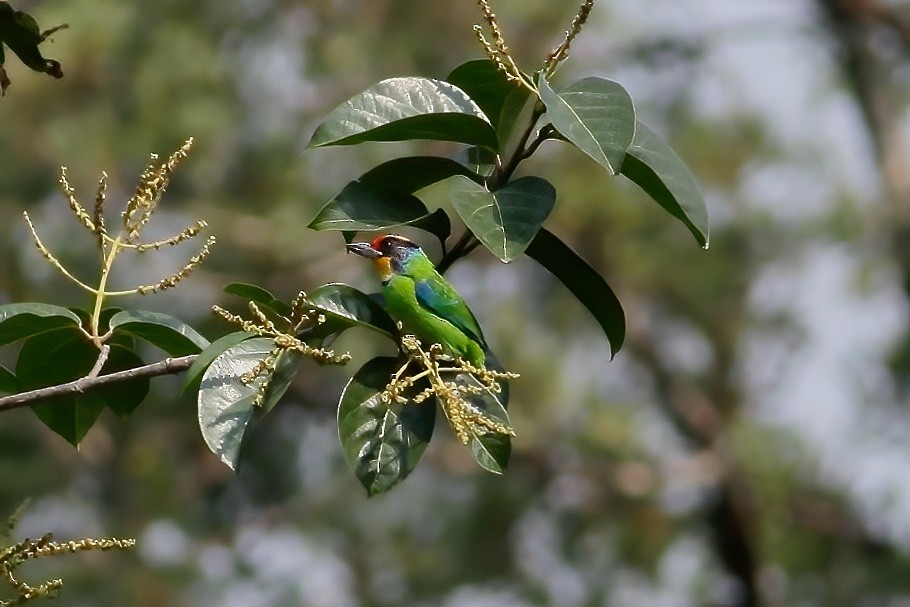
(167, 366)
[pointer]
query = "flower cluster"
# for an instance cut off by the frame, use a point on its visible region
(453, 382)
(11, 557)
(302, 319)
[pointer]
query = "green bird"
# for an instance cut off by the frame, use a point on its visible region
(424, 302)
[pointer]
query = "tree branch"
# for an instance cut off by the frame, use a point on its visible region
(162, 367)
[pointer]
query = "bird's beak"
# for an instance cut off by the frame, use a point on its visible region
(364, 249)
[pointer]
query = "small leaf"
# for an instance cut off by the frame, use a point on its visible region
(168, 333)
(205, 358)
(345, 306)
(594, 114)
(506, 220)
(659, 171)
(226, 403)
(20, 320)
(399, 109)
(260, 296)
(382, 442)
(286, 368)
(584, 283)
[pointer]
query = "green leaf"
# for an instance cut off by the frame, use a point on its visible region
(122, 397)
(259, 295)
(506, 220)
(584, 283)
(168, 333)
(345, 306)
(509, 105)
(399, 109)
(8, 383)
(490, 451)
(412, 173)
(64, 355)
(286, 368)
(358, 207)
(659, 171)
(20, 320)
(594, 114)
(225, 402)
(205, 358)
(382, 442)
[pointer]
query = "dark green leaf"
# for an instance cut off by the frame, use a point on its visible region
(584, 283)
(225, 402)
(286, 368)
(205, 358)
(482, 161)
(594, 114)
(508, 105)
(64, 355)
(399, 109)
(382, 442)
(409, 174)
(168, 333)
(506, 220)
(259, 295)
(21, 320)
(359, 207)
(122, 397)
(8, 383)
(345, 306)
(659, 171)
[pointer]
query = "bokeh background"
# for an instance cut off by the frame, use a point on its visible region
(748, 445)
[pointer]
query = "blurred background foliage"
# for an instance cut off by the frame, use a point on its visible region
(748, 445)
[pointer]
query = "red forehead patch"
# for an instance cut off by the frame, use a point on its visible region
(377, 241)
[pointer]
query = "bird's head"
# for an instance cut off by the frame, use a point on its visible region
(390, 254)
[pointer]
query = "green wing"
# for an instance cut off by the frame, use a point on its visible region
(439, 297)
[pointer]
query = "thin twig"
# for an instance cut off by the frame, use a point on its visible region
(162, 367)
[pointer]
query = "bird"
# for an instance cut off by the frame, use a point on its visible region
(425, 303)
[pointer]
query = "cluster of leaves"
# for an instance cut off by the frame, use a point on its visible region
(20, 33)
(13, 555)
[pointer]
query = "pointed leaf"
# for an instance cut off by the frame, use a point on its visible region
(506, 220)
(382, 442)
(20, 320)
(399, 109)
(345, 306)
(594, 114)
(168, 333)
(225, 402)
(260, 296)
(659, 171)
(584, 283)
